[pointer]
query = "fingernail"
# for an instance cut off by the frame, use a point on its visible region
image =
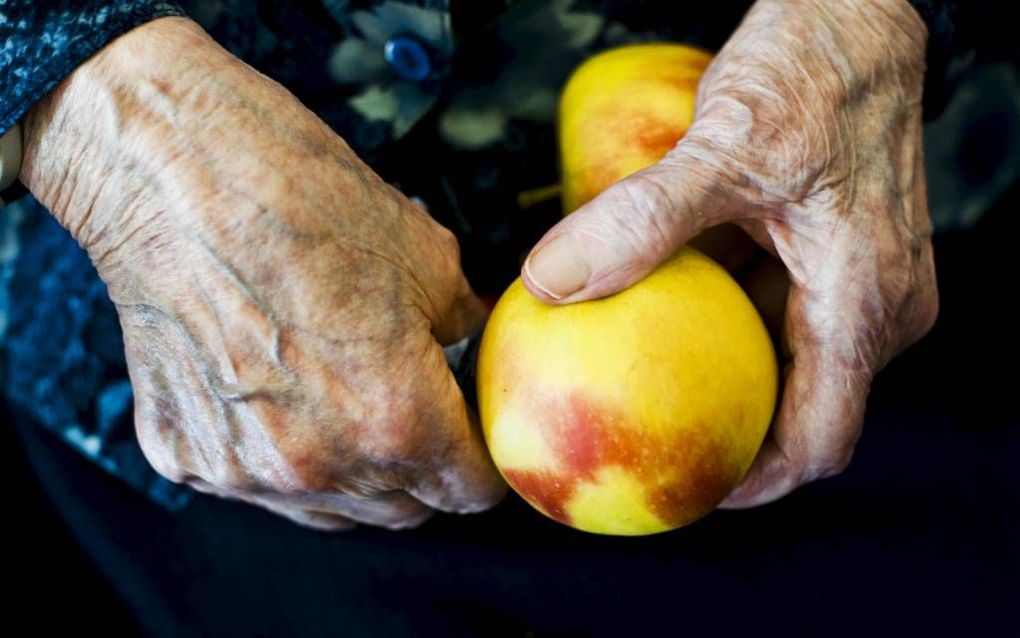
(558, 268)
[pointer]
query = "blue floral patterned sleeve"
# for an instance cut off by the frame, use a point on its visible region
(43, 41)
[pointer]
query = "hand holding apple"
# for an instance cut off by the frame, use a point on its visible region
(637, 413)
(807, 133)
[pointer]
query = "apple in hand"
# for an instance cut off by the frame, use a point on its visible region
(640, 412)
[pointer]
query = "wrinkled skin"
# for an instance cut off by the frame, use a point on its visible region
(282, 307)
(807, 135)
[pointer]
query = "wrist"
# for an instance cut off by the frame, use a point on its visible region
(96, 146)
(856, 42)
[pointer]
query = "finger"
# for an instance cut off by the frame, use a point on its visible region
(634, 225)
(315, 520)
(453, 308)
(322, 521)
(459, 475)
(820, 416)
(462, 315)
(918, 312)
(392, 510)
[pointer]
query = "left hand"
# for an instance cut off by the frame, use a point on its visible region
(283, 308)
(808, 135)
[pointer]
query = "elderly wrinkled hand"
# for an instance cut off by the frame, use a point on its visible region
(807, 134)
(282, 307)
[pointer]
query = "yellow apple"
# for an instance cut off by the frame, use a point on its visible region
(632, 414)
(621, 111)
(637, 413)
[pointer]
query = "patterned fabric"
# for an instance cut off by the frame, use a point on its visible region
(62, 355)
(44, 40)
(331, 54)
(482, 111)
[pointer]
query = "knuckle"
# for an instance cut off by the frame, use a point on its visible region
(838, 465)
(163, 464)
(393, 445)
(918, 307)
(448, 240)
(408, 521)
(701, 149)
(358, 487)
(309, 465)
(158, 453)
(649, 218)
(306, 479)
(394, 438)
(448, 245)
(449, 258)
(317, 520)
(928, 313)
(482, 505)
(226, 477)
(646, 195)
(831, 464)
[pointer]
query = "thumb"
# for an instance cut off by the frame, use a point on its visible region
(633, 226)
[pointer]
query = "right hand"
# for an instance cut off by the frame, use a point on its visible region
(282, 307)
(807, 134)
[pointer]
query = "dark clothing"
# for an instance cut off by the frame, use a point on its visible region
(45, 40)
